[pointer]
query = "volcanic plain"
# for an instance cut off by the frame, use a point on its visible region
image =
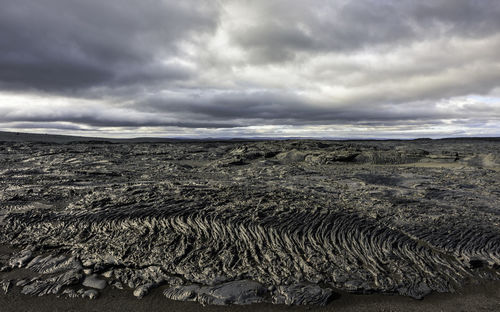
(233, 222)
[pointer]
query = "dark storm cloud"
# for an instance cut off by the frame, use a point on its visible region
(345, 26)
(60, 45)
(111, 118)
(235, 63)
(275, 108)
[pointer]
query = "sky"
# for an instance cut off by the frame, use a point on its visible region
(260, 68)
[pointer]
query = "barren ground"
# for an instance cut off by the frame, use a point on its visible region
(355, 225)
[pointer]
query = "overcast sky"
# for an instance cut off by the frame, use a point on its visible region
(274, 68)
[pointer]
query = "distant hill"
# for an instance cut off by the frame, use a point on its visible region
(62, 139)
(54, 138)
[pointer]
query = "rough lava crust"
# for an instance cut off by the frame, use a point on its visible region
(285, 222)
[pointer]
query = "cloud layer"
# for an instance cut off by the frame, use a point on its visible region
(250, 68)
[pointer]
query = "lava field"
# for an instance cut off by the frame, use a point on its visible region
(239, 222)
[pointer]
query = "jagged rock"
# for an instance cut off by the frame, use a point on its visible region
(70, 293)
(23, 282)
(93, 282)
(330, 158)
(301, 294)
(21, 259)
(40, 288)
(236, 292)
(143, 290)
(182, 293)
(353, 285)
(88, 271)
(90, 294)
(117, 285)
(291, 156)
(52, 285)
(53, 264)
(68, 278)
(138, 277)
(5, 285)
(89, 263)
(108, 274)
(417, 291)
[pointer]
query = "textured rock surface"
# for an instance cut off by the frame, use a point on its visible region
(301, 295)
(184, 293)
(285, 221)
(5, 285)
(52, 285)
(94, 282)
(236, 292)
(91, 294)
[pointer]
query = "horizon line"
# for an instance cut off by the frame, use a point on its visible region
(15, 134)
